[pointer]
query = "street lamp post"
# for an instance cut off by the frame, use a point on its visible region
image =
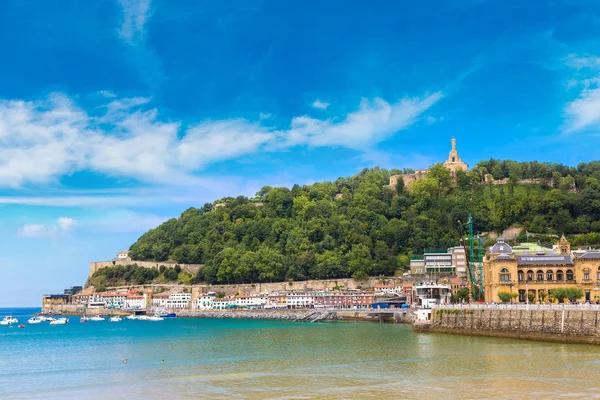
(526, 294)
(510, 285)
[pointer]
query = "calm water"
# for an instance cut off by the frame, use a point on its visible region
(234, 359)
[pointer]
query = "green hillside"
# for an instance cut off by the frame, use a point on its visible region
(309, 232)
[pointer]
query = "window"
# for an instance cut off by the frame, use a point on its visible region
(570, 275)
(559, 275)
(504, 275)
(530, 275)
(599, 273)
(521, 275)
(521, 295)
(586, 274)
(549, 276)
(540, 275)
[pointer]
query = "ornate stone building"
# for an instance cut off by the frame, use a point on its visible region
(453, 163)
(523, 270)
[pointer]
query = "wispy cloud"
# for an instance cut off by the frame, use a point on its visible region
(135, 15)
(130, 140)
(322, 105)
(583, 112)
(374, 121)
(62, 226)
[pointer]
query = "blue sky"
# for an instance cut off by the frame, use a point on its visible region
(117, 115)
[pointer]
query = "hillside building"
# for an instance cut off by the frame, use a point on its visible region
(452, 260)
(453, 163)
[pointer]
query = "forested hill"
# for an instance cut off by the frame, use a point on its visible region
(357, 227)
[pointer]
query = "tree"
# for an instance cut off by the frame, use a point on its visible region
(504, 297)
(461, 296)
(359, 261)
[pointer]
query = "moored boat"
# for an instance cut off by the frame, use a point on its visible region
(59, 321)
(34, 320)
(116, 318)
(155, 318)
(9, 320)
(84, 319)
(21, 326)
(97, 318)
(132, 316)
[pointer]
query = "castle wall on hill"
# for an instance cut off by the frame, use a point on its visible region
(246, 289)
(96, 265)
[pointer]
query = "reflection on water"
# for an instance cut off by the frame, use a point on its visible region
(230, 359)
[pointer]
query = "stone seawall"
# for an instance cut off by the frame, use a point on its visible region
(555, 325)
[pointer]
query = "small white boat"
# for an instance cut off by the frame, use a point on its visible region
(143, 318)
(155, 318)
(97, 318)
(34, 320)
(59, 321)
(9, 320)
(84, 319)
(132, 316)
(116, 318)
(50, 319)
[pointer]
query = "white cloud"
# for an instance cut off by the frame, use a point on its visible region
(583, 61)
(129, 139)
(63, 226)
(135, 15)
(583, 112)
(374, 121)
(106, 93)
(322, 105)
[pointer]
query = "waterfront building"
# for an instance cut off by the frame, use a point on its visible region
(277, 299)
(224, 303)
(430, 294)
(160, 300)
(343, 300)
(50, 300)
(135, 301)
(382, 289)
(178, 300)
(205, 301)
(300, 299)
(532, 272)
(172, 300)
(252, 301)
(80, 299)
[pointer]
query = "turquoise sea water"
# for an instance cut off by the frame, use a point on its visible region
(247, 359)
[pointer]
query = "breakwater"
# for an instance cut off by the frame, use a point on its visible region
(565, 324)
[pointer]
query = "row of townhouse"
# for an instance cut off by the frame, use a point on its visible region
(172, 300)
(401, 289)
(291, 300)
(121, 300)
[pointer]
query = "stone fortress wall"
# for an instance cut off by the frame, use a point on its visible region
(96, 265)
